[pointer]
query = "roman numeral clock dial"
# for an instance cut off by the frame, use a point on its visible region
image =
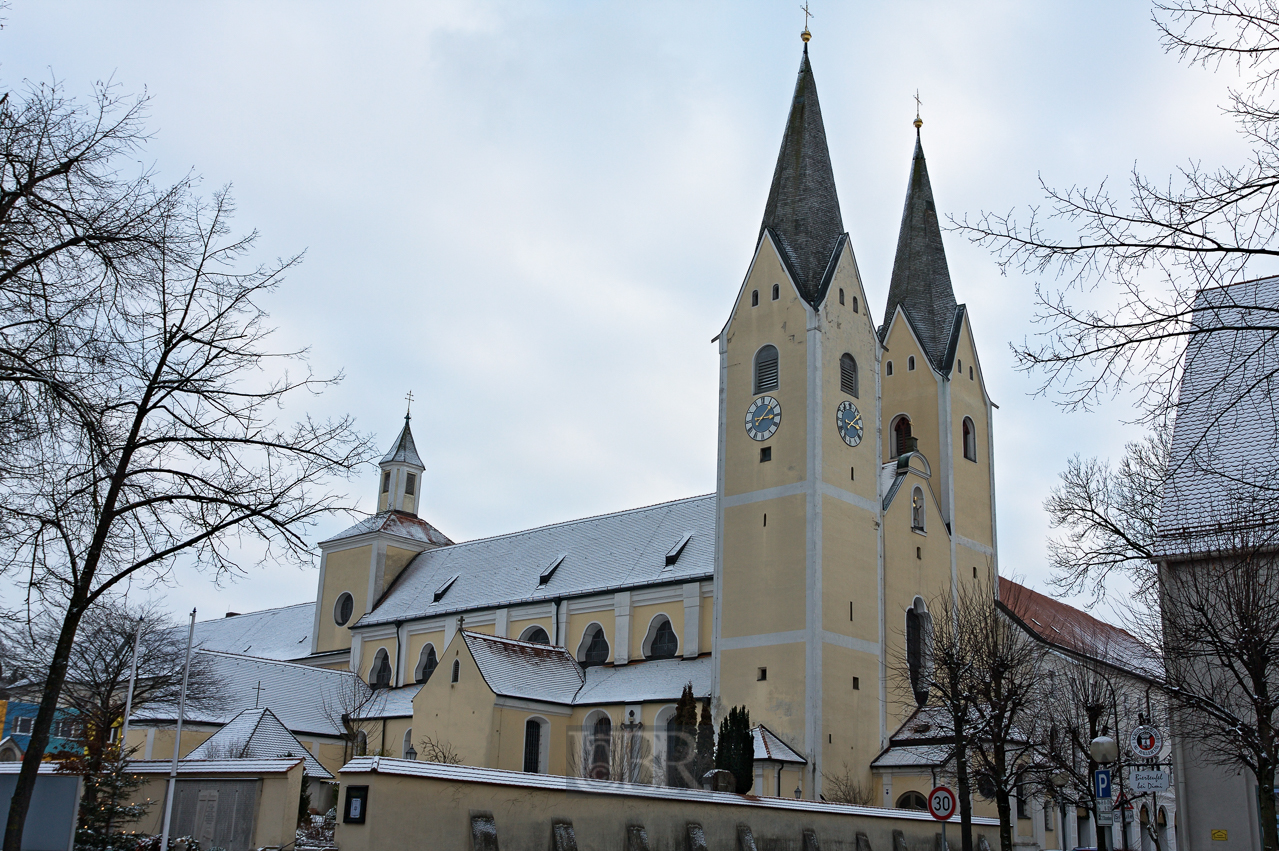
(848, 420)
(763, 417)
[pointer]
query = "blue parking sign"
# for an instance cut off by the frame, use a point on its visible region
(1101, 782)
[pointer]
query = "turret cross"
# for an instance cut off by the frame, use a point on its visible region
(807, 14)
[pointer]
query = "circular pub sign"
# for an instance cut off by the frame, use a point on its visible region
(1146, 742)
(941, 803)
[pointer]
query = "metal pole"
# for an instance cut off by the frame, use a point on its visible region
(177, 741)
(133, 679)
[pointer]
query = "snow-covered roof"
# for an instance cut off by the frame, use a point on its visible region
(283, 633)
(769, 748)
(599, 554)
(214, 766)
(404, 451)
(646, 680)
(257, 734)
(399, 523)
(524, 669)
(923, 739)
(305, 699)
(391, 703)
(1225, 448)
(912, 756)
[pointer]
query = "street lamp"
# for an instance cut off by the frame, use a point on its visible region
(1059, 780)
(411, 753)
(798, 792)
(1104, 750)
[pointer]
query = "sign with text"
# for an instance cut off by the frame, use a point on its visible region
(1105, 812)
(1146, 741)
(941, 803)
(1148, 780)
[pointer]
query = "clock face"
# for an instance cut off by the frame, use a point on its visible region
(849, 422)
(763, 417)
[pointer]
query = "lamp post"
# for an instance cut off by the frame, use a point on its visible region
(1104, 750)
(1059, 780)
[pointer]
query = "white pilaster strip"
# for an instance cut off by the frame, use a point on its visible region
(693, 619)
(622, 627)
(319, 604)
(502, 623)
(813, 555)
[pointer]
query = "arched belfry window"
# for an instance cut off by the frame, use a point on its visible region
(901, 433)
(848, 374)
(380, 673)
(426, 664)
(917, 509)
(754, 298)
(919, 650)
(766, 369)
(970, 439)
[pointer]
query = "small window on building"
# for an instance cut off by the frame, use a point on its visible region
(970, 373)
(970, 440)
(974, 571)
(343, 609)
(380, 673)
(765, 454)
(761, 675)
(754, 298)
(848, 374)
(22, 725)
(535, 635)
(857, 683)
(532, 746)
(386, 481)
(457, 670)
(960, 362)
(426, 665)
(766, 369)
(406, 749)
(594, 647)
(919, 553)
(910, 363)
(855, 305)
(912, 801)
(777, 292)
(410, 483)
(841, 295)
(1023, 801)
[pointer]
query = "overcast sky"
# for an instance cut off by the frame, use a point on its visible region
(535, 215)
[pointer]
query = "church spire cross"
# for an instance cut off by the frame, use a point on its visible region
(408, 409)
(919, 122)
(806, 35)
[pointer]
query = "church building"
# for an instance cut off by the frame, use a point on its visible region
(855, 484)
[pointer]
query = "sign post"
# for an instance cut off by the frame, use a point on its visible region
(941, 805)
(1102, 790)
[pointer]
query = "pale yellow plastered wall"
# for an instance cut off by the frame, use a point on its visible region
(344, 570)
(973, 505)
(914, 393)
(462, 713)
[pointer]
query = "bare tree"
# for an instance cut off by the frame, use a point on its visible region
(1148, 252)
(137, 387)
(1006, 686)
(354, 707)
(438, 750)
(844, 788)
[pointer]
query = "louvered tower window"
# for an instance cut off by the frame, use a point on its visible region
(766, 369)
(848, 374)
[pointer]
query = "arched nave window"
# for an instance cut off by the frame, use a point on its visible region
(380, 673)
(426, 664)
(660, 642)
(536, 635)
(593, 649)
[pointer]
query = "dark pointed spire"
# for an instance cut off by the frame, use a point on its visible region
(921, 279)
(803, 209)
(404, 452)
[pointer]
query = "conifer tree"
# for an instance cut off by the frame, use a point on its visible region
(105, 807)
(705, 742)
(679, 748)
(736, 752)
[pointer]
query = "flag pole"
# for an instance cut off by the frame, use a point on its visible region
(177, 741)
(133, 679)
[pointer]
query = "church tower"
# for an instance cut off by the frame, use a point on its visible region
(402, 471)
(854, 480)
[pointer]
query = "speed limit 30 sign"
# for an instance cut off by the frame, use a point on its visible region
(941, 803)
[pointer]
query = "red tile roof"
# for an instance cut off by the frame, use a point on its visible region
(1070, 628)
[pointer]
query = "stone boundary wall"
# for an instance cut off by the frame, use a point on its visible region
(412, 805)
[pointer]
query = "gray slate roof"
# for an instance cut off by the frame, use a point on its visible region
(302, 697)
(803, 209)
(1225, 449)
(604, 553)
(283, 633)
(920, 281)
(403, 452)
(646, 680)
(257, 734)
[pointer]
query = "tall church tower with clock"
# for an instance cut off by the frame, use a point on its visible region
(854, 476)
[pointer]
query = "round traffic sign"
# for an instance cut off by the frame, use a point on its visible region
(941, 803)
(1146, 741)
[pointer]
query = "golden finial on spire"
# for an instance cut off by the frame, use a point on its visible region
(919, 122)
(806, 35)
